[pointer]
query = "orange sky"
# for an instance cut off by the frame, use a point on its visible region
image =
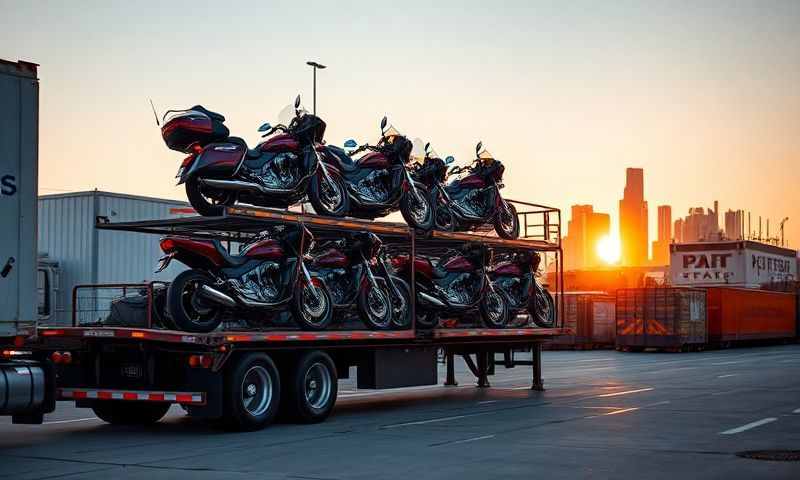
(705, 98)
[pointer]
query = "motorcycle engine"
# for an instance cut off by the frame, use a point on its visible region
(474, 203)
(337, 284)
(374, 187)
(259, 284)
(280, 172)
(462, 290)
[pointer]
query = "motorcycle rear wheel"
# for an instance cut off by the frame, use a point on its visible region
(188, 310)
(207, 206)
(309, 311)
(506, 223)
(329, 200)
(417, 210)
(375, 307)
(401, 307)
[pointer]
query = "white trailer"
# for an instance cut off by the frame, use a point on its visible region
(27, 388)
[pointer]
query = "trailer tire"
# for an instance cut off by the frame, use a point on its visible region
(312, 386)
(252, 393)
(117, 412)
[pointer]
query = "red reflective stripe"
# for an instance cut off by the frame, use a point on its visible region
(183, 398)
(130, 396)
(77, 394)
(156, 397)
(104, 395)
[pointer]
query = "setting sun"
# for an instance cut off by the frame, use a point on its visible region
(608, 249)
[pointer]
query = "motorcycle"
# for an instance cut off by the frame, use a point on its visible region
(282, 170)
(268, 274)
(515, 275)
(472, 202)
(379, 182)
(356, 272)
(456, 283)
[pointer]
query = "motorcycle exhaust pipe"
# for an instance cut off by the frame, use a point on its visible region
(239, 185)
(216, 296)
(432, 300)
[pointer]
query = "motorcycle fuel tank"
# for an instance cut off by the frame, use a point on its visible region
(331, 259)
(374, 160)
(280, 143)
(458, 264)
(472, 181)
(266, 250)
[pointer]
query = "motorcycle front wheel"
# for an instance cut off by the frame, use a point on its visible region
(401, 306)
(543, 309)
(375, 306)
(417, 209)
(188, 310)
(442, 215)
(329, 198)
(312, 307)
(494, 309)
(208, 206)
(506, 222)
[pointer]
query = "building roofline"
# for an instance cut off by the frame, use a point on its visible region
(89, 193)
(732, 244)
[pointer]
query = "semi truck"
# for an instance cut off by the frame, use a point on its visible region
(132, 374)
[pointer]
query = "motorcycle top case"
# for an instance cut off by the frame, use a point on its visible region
(185, 128)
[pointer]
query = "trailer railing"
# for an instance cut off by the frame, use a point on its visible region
(113, 304)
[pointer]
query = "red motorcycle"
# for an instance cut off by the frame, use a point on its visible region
(281, 171)
(515, 275)
(456, 284)
(268, 274)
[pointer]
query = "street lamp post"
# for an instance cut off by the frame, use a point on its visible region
(315, 66)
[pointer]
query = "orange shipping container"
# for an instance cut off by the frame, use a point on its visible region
(590, 317)
(746, 314)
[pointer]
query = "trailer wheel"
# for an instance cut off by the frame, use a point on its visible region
(253, 392)
(118, 412)
(312, 386)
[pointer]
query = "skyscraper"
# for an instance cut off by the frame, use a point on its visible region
(701, 225)
(584, 230)
(734, 224)
(661, 245)
(633, 219)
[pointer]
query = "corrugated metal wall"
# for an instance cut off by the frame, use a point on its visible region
(86, 255)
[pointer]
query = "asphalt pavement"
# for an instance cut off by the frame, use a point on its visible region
(604, 414)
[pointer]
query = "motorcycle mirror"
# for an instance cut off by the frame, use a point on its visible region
(427, 146)
(350, 143)
(478, 148)
(297, 102)
(383, 124)
(449, 160)
(265, 127)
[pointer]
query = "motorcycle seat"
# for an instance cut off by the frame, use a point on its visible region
(232, 260)
(346, 162)
(251, 152)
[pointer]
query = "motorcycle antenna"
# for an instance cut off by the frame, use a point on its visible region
(154, 112)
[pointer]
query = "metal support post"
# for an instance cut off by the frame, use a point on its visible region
(450, 360)
(483, 369)
(536, 357)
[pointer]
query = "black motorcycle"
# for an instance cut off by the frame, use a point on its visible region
(357, 273)
(279, 172)
(472, 202)
(379, 182)
(268, 274)
(515, 275)
(455, 284)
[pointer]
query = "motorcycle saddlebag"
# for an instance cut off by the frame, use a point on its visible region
(185, 128)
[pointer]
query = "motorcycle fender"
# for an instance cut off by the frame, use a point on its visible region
(218, 160)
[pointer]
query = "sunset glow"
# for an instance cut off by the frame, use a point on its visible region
(608, 249)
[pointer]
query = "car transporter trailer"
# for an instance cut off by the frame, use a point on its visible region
(244, 377)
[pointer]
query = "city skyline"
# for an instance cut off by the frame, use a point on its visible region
(704, 97)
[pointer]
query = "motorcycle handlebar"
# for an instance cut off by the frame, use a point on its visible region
(274, 129)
